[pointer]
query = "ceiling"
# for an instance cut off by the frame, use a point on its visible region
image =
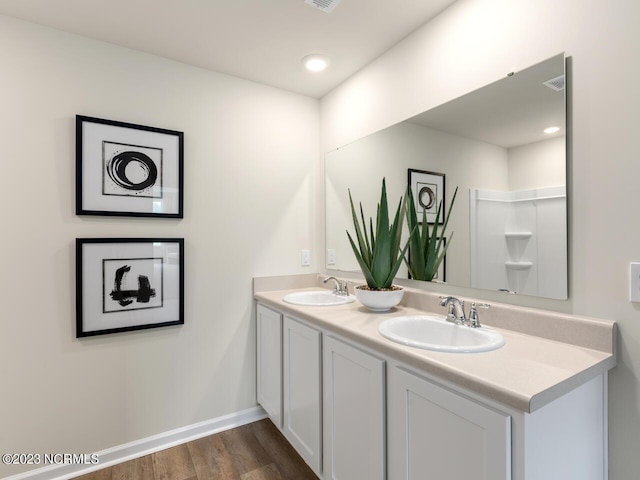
(510, 112)
(259, 40)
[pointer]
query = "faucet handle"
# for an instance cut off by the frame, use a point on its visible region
(474, 319)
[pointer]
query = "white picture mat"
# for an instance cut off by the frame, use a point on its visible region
(93, 135)
(94, 319)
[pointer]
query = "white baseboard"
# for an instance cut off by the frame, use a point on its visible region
(145, 446)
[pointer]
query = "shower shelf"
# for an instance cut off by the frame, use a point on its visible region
(518, 265)
(518, 235)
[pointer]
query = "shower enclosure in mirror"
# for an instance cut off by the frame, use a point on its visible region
(497, 146)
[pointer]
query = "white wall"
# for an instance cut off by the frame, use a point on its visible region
(477, 41)
(538, 164)
(250, 157)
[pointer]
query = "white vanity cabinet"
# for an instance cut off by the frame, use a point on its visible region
(269, 362)
(437, 434)
(302, 390)
(326, 395)
(354, 412)
(441, 433)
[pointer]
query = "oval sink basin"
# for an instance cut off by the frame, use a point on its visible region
(433, 332)
(317, 299)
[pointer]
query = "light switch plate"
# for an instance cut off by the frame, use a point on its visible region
(305, 258)
(331, 256)
(634, 282)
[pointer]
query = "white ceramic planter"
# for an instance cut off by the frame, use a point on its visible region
(379, 300)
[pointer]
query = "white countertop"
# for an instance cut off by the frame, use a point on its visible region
(527, 373)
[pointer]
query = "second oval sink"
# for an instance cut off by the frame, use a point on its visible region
(433, 332)
(317, 298)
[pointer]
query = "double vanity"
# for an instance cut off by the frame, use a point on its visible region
(357, 403)
(507, 393)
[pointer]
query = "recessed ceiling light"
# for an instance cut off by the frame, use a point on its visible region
(550, 130)
(315, 62)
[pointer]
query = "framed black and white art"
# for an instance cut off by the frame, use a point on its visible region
(128, 170)
(125, 284)
(428, 192)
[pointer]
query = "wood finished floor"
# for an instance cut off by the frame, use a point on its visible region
(256, 451)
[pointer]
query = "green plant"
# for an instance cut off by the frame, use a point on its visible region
(378, 251)
(426, 252)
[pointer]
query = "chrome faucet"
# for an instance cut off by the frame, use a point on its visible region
(456, 314)
(340, 288)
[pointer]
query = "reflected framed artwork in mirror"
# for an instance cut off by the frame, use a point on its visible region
(510, 217)
(429, 193)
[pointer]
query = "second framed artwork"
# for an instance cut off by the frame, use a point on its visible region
(125, 284)
(128, 170)
(428, 193)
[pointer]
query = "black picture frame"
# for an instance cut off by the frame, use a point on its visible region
(124, 169)
(108, 270)
(430, 186)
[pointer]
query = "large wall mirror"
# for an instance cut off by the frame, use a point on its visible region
(504, 147)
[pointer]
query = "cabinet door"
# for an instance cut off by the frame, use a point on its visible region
(354, 447)
(302, 391)
(269, 353)
(435, 434)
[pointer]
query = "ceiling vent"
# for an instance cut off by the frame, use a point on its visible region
(326, 6)
(556, 84)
